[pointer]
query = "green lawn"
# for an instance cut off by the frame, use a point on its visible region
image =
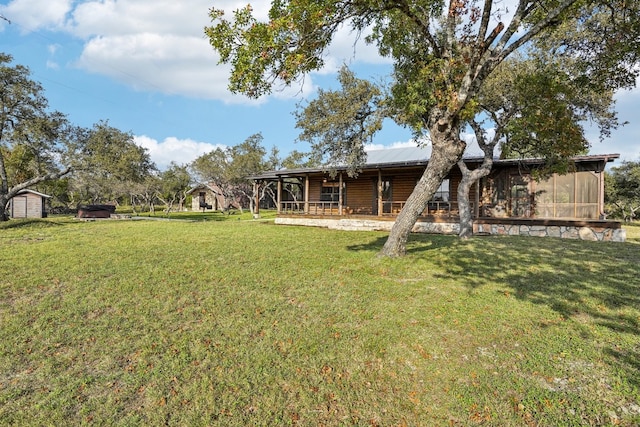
(241, 322)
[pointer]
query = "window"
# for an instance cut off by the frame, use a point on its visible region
(442, 193)
(331, 192)
(573, 195)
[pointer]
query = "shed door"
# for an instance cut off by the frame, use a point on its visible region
(19, 204)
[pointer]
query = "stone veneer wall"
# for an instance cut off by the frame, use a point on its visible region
(581, 231)
(608, 231)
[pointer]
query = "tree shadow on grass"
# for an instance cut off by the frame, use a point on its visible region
(597, 279)
(29, 223)
(583, 280)
(416, 244)
(589, 280)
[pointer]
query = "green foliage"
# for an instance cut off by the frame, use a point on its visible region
(440, 63)
(107, 162)
(291, 43)
(601, 38)
(622, 191)
(230, 169)
(38, 146)
(298, 159)
(211, 166)
(240, 323)
(31, 138)
(338, 123)
(174, 182)
(247, 158)
(545, 124)
(538, 106)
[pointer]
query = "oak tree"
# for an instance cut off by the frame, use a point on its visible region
(229, 168)
(622, 191)
(338, 123)
(31, 137)
(174, 183)
(538, 107)
(106, 163)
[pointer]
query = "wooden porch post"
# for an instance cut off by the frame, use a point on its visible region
(575, 194)
(340, 195)
(279, 195)
(601, 194)
(306, 193)
(476, 208)
(380, 207)
(555, 194)
(256, 191)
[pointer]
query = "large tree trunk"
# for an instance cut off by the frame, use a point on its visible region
(447, 149)
(468, 178)
(464, 205)
(4, 201)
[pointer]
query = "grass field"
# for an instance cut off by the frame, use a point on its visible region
(241, 322)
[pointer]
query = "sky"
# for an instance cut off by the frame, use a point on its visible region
(146, 67)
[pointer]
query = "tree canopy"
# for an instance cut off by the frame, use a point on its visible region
(442, 51)
(32, 138)
(229, 169)
(106, 161)
(338, 123)
(622, 191)
(39, 146)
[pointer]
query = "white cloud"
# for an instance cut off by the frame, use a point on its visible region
(159, 45)
(168, 64)
(33, 15)
(397, 144)
(122, 17)
(180, 151)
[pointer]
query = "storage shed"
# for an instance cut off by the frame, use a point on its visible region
(28, 204)
(207, 197)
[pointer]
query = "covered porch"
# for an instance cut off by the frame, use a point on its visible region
(510, 194)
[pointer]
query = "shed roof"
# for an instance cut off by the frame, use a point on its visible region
(210, 186)
(33, 192)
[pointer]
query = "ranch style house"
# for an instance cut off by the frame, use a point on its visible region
(508, 201)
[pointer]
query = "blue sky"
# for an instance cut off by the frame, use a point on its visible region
(146, 67)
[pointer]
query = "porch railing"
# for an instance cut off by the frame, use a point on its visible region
(389, 208)
(315, 208)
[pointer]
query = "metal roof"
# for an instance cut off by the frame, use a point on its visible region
(418, 156)
(398, 155)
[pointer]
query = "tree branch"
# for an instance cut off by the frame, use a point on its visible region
(404, 7)
(484, 23)
(505, 50)
(33, 181)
